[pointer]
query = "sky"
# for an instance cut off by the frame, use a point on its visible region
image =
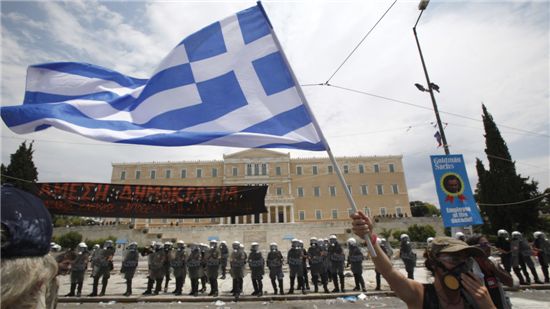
(479, 52)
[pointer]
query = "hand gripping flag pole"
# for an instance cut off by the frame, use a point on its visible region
(317, 128)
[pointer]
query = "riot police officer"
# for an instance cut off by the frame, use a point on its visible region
(407, 255)
(337, 259)
(542, 247)
(167, 257)
(295, 258)
(525, 254)
(275, 265)
(386, 247)
(103, 265)
(129, 265)
(224, 256)
(460, 236)
(355, 259)
(212, 258)
(156, 260)
(178, 263)
(237, 261)
(257, 264)
(194, 265)
(78, 268)
(316, 258)
(503, 246)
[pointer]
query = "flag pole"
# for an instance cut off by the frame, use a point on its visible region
(317, 128)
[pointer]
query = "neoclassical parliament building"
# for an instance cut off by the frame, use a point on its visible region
(299, 189)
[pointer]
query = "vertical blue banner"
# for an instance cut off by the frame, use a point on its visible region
(458, 207)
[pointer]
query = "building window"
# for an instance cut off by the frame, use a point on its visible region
(164, 220)
(349, 188)
(316, 191)
(394, 189)
(153, 174)
(184, 173)
(346, 169)
(199, 173)
(249, 169)
(138, 174)
(300, 192)
(235, 172)
(335, 214)
(279, 191)
(399, 211)
(383, 211)
(318, 214)
(379, 189)
(332, 190)
(330, 169)
(314, 170)
(214, 172)
(364, 190)
(122, 175)
(367, 211)
(213, 220)
(278, 171)
(376, 168)
(264, 169)
(167, 174)
(302, 215)
(298, 170)
(391, 167)
(361, 169)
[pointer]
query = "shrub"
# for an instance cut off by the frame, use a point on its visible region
(69, 240)
(397, 233)
(420, 233)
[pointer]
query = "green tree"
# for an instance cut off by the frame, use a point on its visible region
(21, 171)
(423, 209)
(420, 232)
(515, 196)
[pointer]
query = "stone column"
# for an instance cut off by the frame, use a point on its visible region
(284, 214)
(277, 218)
(291, 213)
(268, 214)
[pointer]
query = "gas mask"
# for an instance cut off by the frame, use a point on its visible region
(213, 245)
(451, 277)
(273, 248)
(236, 247)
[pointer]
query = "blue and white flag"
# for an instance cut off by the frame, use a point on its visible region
(227, 85)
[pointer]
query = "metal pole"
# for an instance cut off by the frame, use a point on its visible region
(439, 125)
(319, 132)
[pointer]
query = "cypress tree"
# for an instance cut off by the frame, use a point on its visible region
(502, 185)
(21, 172)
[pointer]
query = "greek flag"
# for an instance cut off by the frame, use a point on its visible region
(227, 84)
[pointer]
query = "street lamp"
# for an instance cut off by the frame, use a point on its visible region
(431, 86)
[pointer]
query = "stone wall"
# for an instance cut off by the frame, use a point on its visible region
(245, 233)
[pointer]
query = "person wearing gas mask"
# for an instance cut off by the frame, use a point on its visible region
(541, 246)
(324, 244)
(316, 256)
(129, 266)
(407, 255)
(524, 256)
(295, 260)
(256, 263)
(355, 260)
(448, 259)
(155, 269)
(203, 276)
(78, 268)
(178, 262)
(194, 265)
(212, 258)
(224, 251)
(388, 250)
(167, 257)
(275, 265)
(493, 275)
(305, 280)
(503, 246)
(237, 261)
(102, 267)
(337, 261)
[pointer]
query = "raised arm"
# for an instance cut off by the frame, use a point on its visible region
(410, 291)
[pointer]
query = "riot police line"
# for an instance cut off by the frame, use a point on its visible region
(324, 260)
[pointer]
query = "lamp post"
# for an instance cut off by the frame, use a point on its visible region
(431, 86)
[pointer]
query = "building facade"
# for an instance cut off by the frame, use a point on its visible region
(299, 189)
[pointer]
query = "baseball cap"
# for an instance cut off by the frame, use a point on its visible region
(26, 224)
(445, 244)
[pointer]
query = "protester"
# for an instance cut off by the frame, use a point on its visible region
(447, 258)
(493, 275)
(28, 272)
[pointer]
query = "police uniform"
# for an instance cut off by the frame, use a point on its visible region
(178, 264)
(78, 268)
(355, 260)
(223, 260)
(337, 259)
(194, 266)
(103, 264)
(129, 266)
(295, 259)
(257, 264)
(212, 259)
(408, 256)
(275, 264)
(316, 258)
(236, 261)
(542, 246)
